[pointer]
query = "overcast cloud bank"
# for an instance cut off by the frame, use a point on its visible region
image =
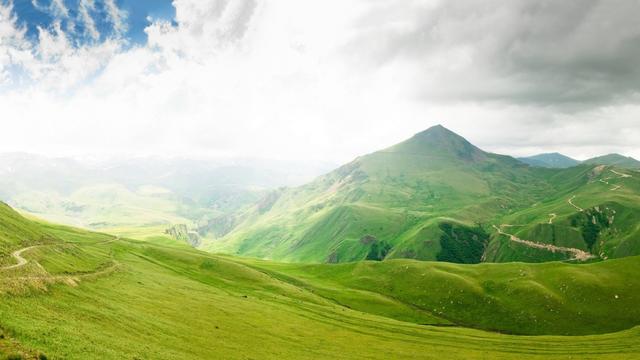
(326, 80)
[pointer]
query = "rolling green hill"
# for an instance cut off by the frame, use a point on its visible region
(86, 295)
(438, 197)
(615, 159)
(596, 210)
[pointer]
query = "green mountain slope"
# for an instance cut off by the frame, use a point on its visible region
(89, 295)
(17, 232)
(596, 209)
(615, 159)
(551, 160)
(141, 197)
(437, 197)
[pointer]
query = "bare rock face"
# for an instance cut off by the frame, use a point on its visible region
(219, 226)
(368, 239)
(182, 233)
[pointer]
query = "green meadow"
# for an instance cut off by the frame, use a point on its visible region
(88, 295)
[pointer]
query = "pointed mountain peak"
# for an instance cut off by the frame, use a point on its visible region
(437, 130)
(440, 141)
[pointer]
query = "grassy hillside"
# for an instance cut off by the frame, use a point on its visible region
(95, 296)
(438, 197)
(615, 159)
(141, 196)
(596, 209)
(517, 298)
(17, 232)
(148, 211)
(388, 199)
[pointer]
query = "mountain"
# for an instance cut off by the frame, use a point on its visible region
(180, 303)
(394, 203)
(615, 159)
(141, 196)
(437, 197)
(550, 160)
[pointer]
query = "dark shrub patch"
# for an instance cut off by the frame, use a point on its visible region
(462, 244)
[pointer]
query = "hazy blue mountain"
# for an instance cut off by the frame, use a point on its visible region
(550, 160)
(152, 192)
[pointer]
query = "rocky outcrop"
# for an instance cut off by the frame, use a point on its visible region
(181, 232)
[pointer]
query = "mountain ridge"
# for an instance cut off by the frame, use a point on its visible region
(614, 159)
(550, 160)
(430, 197)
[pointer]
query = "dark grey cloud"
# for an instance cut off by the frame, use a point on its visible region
(571, 53)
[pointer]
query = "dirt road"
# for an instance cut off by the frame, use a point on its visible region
(621, 174)
(578, 254)
(570, 201)
(19, 259)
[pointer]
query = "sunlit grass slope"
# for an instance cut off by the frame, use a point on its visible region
(95, 296)
(596, 209)
(396, 199)
(438, 197)
(17, 232)
(519, 298)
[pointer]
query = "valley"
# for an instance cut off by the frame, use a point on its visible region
(440, 181)
(178, 302)
(430, 249)
(293, 180)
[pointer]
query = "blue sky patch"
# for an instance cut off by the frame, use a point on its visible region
(43, 13)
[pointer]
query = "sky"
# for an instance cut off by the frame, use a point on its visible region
(319, 80)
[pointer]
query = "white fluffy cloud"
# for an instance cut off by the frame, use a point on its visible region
(328, 80)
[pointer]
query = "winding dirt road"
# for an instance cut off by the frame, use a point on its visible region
(578, 254)
(570, 201)
(19, 259)
(621, 174)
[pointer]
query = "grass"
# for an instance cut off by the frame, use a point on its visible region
(405, 195)
(517, 298)
(396, 195)
(131, 299)
(586, 186)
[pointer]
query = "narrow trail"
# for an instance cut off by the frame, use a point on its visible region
(621, 174)
(570, 201)
(578, 254)
(19, 259)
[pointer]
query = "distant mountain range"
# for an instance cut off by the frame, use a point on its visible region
(559, 161)
(434, 196)
(551, 160)
(438, 197)
(126, 196)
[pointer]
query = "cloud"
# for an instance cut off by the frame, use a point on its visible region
(59, 9)
(529, 51)
(298, 80)
(116, 16)
(85, 9)
(203, 27)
